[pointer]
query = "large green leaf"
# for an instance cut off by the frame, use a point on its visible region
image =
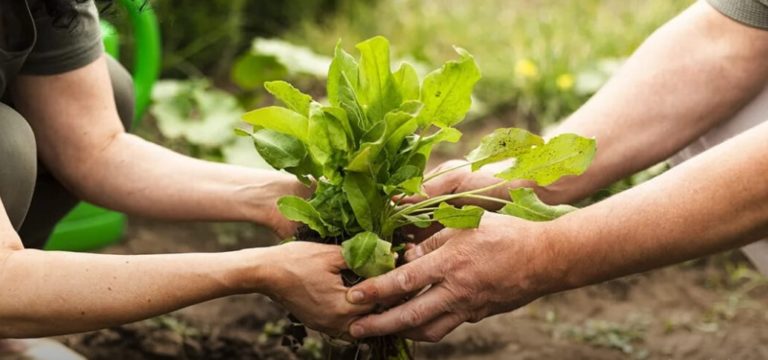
(343, 65)
(566, 154)
(502, 144)
(443, 135)
(376, 86)
(290, 96)
(367, 255)
(297, 209)
(364, 198)
(328, 135)
(399, 125)
(281, 120)
(407, 82)
(468, 217)
(278, 150)
(447, 92)
(526, 205)
(363, 160)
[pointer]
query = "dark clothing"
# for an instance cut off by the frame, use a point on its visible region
(749, 12)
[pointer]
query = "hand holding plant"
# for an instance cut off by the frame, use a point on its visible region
(370, 144)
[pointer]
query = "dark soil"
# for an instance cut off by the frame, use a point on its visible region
(715, 308)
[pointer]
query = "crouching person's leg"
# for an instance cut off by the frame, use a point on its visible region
(51, 201)
(18, 167)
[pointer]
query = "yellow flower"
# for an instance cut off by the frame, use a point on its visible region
(565, 82)
(526, 68)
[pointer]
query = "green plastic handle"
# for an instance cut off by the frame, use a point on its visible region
(146, 67)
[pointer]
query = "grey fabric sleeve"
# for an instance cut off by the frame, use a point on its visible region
(749, 12)
(60, 48)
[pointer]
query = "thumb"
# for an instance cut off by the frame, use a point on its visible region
(427, 246)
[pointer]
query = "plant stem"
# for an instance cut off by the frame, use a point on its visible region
(489, 198)
(430, 177)
(439, 199)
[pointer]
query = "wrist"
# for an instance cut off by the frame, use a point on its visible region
(552, 262)
(257, 201)
(252, 271)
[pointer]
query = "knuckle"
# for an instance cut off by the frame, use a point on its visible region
(405, 281)
(411, 317)
(432, 336)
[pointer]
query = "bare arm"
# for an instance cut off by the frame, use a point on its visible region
(695, 71)
(691, 74)
(52, 293)
(80, 138)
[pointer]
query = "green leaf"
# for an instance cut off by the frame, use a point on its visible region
(376, 87)
(468, 217)
(364, 198)
(407, 82)
(447, 92)
(526, 205)
(501, 145)
(343, 65)
(443, 135)
(421, 221)
(279, 150)
(399, 125)
(328, 135)
(367, 255)
(297, 209)
(363, 159)
(281, 120)
(566, 154)
(290, 96)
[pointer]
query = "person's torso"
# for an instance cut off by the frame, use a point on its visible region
(18, 32)
(35, 43)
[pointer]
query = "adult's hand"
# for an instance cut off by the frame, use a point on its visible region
(305, 278)
(471, 274)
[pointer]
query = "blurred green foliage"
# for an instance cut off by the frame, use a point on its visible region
(203, 38)
(541, 59)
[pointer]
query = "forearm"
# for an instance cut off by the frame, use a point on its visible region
(50, 293)
(135, 176)
(694, 72)
(716, 201)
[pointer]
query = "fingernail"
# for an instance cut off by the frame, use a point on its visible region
(355, 296)
(356, 331)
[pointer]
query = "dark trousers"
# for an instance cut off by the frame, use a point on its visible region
(33, 199)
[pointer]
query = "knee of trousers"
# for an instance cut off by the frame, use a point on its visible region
(125, 97)
(18, 164)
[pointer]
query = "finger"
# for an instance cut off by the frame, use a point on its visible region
(413, 313)
(420, 234)
(398, 282)
(435, 330)
(431, 244)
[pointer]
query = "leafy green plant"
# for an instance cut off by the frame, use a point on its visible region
(367, 149)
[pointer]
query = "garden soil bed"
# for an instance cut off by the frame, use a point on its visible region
(708, 309)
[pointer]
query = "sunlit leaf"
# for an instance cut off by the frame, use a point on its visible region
(367, 255)
(468, 217)
(566, 154)
(447, 92)
(526, 205)
(503, 144)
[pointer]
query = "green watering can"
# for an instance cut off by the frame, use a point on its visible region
(89, 227)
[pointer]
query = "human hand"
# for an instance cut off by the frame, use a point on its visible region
(471, 274)
(305, 278)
